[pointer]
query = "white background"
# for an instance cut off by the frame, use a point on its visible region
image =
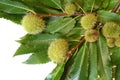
(12, 68)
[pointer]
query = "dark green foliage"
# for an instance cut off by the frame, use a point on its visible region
(104, 65)
(90, 60)
(93, 61)
(115, 55)
(106, 16)
(117, 74)
(38, 58)
(13, 7)
(64, 26)
(79, 69)
(56, 73)
(42, 6)
(13, 17)
(37, 45)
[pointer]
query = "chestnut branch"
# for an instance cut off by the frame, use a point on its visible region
(62, 14)
(69, 53)
(116, 7)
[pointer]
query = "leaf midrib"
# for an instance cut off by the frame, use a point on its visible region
(82, 58)
(16, 6)
(102, 59)
(65, 24)
(58, 71)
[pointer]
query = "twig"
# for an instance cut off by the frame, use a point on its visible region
(69, 53)
(116, 7)
(62, 14)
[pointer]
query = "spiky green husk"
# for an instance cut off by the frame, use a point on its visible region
(117, 42)
(57, 50)
(91, 35)
(88, 21)
(70, 8)
(33, 24)
(110, 42)
(111, 30)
